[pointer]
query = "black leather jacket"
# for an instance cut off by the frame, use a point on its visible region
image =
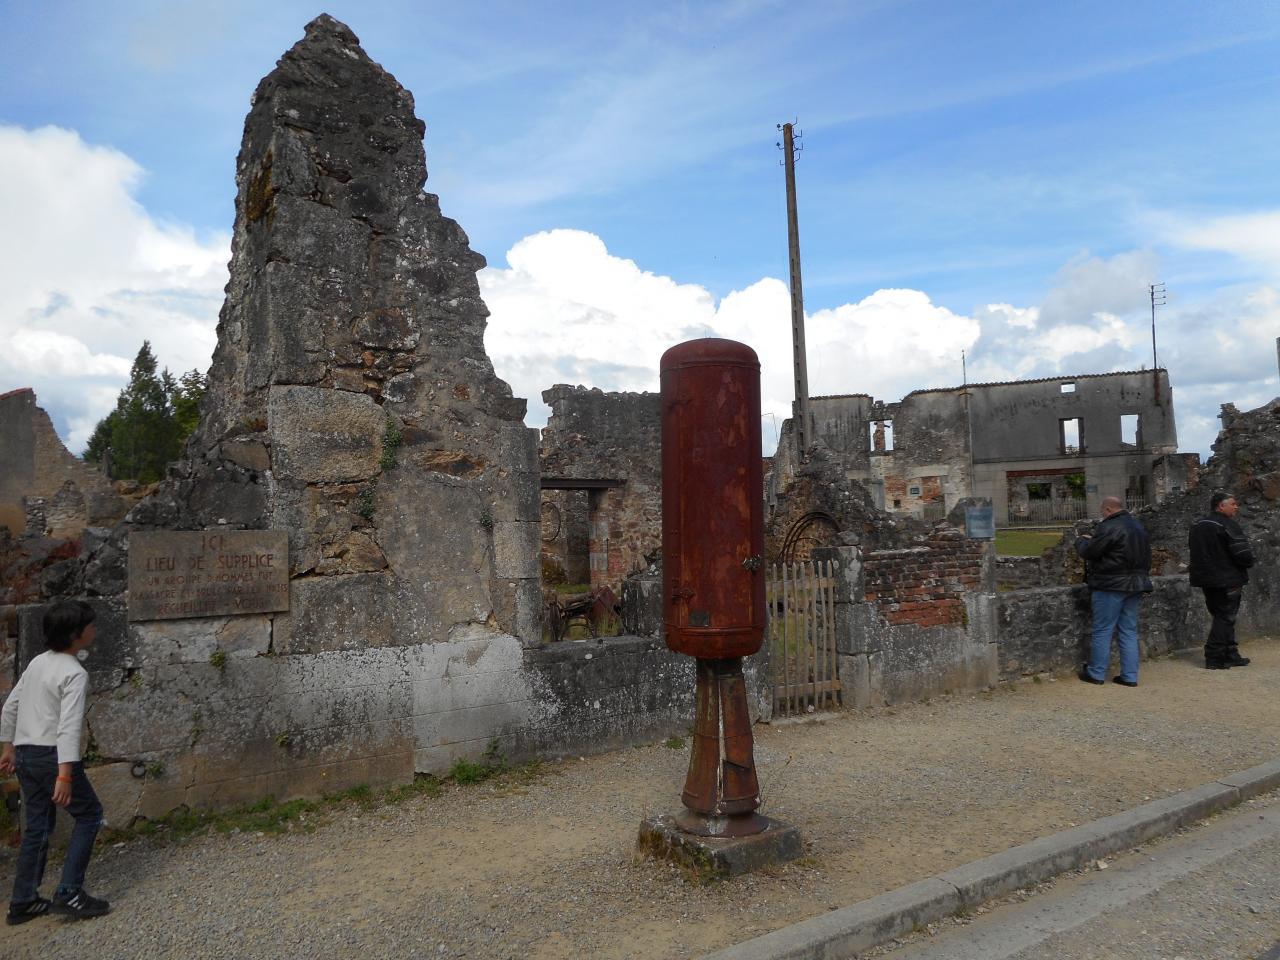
(1117, 556)
(1220, 552)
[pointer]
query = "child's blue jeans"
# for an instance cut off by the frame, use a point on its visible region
(37, 773)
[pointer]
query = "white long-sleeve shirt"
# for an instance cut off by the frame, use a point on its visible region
(46, 708)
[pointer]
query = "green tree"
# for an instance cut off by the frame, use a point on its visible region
(186, 401)
(154, 414)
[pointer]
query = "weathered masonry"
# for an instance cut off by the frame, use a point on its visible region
(1041, 450)
(339, 582)
(43, 488)
(601, 476)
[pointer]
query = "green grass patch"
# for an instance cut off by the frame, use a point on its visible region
(492, 763)
(1025, 543)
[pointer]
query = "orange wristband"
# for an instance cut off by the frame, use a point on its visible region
(64, 779)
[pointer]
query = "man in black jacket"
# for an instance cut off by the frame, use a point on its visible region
(1118, 570)
(1220, 562)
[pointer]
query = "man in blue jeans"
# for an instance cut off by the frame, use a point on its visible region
(1117, 560)
(40, 729)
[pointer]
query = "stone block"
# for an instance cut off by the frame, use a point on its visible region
(855, 680)
(141, 720)
(248, 636)
(515, 550)
(355, 553)
(178, 641)
(325, 436)
(247, 452)
(712, 858)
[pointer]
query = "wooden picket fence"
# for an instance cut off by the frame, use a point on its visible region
(802, 633)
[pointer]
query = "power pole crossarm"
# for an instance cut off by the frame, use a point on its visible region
(797, 292)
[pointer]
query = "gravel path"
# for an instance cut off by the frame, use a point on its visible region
(545, 869)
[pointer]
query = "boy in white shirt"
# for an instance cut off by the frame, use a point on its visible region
(40, 730)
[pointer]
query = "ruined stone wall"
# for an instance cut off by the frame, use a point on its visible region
(924, 471)
(1019, 420)
(1246, 463)
(812, 503)
(65, 494)
(1048, 629)
(593, 435)
(915, 623)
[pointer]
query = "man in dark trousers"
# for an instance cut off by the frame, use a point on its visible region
(1220, 562)
(1117, 560)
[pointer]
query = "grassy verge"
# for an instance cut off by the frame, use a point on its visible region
(1025, 543)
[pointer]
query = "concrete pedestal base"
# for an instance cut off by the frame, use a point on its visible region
(715, 858)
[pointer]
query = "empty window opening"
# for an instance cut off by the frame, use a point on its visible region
(1067, 386)
(1039, 491)
(1074, 485)
(897, 502)
(881, 436)
(1071, 435)
(1130, 429)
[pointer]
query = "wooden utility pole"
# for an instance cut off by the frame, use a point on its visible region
(797, 293)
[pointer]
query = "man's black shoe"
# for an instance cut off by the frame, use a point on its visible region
(1124, 683)
(79, 905)
(1216, 665)
(1083, 674)
(1235, 660)
(22, 912)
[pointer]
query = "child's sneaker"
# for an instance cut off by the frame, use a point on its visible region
(79, 905)
(22, 912)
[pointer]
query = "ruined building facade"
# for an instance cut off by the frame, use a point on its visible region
(601, 474)
(1041, 450)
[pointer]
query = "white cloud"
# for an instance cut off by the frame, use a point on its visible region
(86, 274)
(566, 310)
(1252, 237)
(565, 296)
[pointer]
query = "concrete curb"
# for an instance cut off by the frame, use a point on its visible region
(850, 930)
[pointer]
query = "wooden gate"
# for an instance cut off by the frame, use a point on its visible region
(802, 633)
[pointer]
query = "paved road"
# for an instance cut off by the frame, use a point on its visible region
(1212, 893)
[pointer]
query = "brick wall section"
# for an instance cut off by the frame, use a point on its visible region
(925, 585)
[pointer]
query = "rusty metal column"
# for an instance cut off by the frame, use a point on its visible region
(713, 577)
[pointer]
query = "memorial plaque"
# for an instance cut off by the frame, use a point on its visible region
(207, 573)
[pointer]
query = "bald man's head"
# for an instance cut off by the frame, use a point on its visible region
(1111, 505)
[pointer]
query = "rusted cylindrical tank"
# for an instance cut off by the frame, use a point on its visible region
(712, 499)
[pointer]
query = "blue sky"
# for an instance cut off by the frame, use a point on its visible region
(998, 178)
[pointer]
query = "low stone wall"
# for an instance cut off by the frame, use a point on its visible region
(1019, 573)
(1047, 630)
(215, 731)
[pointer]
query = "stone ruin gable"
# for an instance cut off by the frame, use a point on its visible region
(816, 497)
(44, 490)
(350, 370)
(593, 435)
(351, 403)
